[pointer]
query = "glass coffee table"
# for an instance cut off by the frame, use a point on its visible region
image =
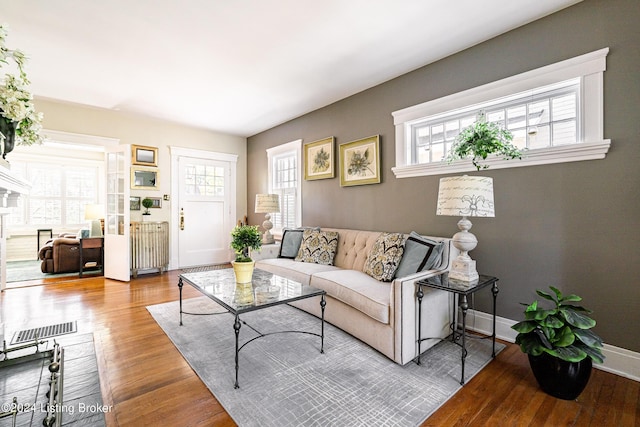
(265, 290)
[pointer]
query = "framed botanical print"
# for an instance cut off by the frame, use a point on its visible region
(144, 156)
(318, 159)
(360, 162)
(134, 203)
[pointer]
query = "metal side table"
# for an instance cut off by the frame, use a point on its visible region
(461, 290)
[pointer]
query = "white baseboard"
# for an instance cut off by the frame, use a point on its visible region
(619, 361)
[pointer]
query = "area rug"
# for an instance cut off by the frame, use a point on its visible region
(285, 381)
(22, 271)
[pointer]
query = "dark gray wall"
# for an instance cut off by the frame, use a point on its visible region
(573, 225)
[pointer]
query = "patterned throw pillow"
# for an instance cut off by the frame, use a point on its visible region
(318, 247)
(385, 256)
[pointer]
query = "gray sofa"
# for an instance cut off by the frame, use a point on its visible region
(380, 313)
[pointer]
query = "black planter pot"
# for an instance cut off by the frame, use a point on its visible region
(8, 130)
(559, 378)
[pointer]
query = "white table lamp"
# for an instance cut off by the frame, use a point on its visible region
(94, 213)
(267, 204)
(465, 196)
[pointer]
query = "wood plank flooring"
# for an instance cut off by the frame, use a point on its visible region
(148, 383)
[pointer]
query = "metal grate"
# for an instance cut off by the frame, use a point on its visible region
(44, 332)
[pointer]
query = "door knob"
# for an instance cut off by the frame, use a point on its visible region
(181, 218)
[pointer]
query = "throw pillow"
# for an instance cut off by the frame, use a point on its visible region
(290, 244)
(318, 247)
(385, 256)
(420, 254)
(291, 239)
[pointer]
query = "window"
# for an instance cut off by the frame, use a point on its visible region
(284, 180)
(59, 193)
(555, 112)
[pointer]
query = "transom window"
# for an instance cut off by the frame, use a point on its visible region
(555, 112)
(544, 117)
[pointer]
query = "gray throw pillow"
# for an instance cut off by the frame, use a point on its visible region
(290, 244)
(420, 254)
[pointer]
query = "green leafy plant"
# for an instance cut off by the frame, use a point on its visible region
(480, 140)
(562, 331)
(147, 203)
(16, 101)
(244, 238)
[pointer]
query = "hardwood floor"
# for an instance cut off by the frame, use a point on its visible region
(148, 383)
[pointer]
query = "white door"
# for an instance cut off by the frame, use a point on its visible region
(116, 227)
(205, 214)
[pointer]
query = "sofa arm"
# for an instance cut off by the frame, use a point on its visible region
(435, 314)
(266, 252)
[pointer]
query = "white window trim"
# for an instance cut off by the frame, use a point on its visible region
(281, 149)
(590, 67)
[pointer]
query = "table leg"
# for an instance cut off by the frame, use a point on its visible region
(494, 291)
(323, 304)
(464, 306)
(236, 328)
(180, 288)
(419, 294)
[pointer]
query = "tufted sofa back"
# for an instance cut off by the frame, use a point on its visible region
(353, 247)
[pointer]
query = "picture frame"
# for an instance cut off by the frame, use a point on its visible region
(134, 203)
(318, 159)
(144, 156)
(360, 162)
(157, 202)
(143, 178)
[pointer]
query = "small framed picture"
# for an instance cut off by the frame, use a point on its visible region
(157, 202)
(318, 159)
(134, 203)
(360, 162)
(144, 156)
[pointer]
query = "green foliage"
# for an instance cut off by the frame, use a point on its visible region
(147, 203)
(562, 331)
(244, 238)
(480, 140)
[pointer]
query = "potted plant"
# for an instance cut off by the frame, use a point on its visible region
(147, 203)
(243, 239)
(19, 121)
(559, 343)
(480, 140)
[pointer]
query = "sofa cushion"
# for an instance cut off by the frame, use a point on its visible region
(420, 254)
(298, 271)
(385, 256)
(357, 289)
(318, 247)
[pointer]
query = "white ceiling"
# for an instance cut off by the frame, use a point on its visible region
(242, 66)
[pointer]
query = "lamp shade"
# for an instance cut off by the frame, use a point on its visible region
(92, 212)
(466, 196)
(267, 203)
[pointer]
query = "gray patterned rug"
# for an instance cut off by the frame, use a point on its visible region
(285, 381)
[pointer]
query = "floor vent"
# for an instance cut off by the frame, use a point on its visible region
(30, 335)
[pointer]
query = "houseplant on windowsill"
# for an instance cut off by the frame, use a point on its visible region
(482, 139)
(560, 345)
(19, 122)
(243, 239)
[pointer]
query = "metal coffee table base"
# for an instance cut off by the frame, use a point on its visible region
(237, 324)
